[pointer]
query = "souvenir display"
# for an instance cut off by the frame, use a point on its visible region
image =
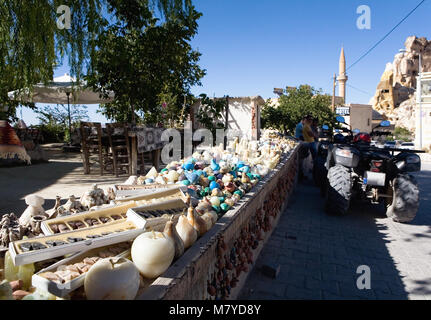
(158, 216)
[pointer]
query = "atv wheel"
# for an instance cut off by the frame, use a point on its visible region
(405, 199)
(338, 193)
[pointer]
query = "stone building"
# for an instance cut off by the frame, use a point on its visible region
(243, 116)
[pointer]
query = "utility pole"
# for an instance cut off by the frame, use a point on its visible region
(333, 92)
(419, 86)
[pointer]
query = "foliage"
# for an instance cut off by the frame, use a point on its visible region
(52, 133)
(54, 121)
(297, 103)
(149, 70)
(210, 112)
(32, 46)
(59, 114)
(402, 134)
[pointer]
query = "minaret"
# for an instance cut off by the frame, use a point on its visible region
(342, 77)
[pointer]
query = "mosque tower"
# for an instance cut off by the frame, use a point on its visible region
(342, 77)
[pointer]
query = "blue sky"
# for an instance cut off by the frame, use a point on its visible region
(249, 47)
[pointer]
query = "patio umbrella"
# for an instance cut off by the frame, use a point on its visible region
(62, 90)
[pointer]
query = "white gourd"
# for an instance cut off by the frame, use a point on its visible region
(112, 279)
(172, 233)
(186, 232)
(153, 253)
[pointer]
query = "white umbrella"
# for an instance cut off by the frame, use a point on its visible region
(62, 90)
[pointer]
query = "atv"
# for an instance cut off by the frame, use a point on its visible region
(358, 170)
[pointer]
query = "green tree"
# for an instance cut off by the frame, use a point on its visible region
(211, 112)
(54, 120)
(32, 45)
(402, 134)
(294, 105)
(150, 66)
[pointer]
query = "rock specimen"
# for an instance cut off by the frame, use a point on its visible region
(94, 197)
(10, 229)
(34, 208)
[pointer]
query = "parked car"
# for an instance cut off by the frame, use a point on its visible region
(407, 146)
(390, 144)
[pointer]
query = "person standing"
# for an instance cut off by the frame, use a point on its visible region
(298, 130)
(309, 136)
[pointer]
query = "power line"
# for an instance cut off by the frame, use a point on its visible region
(360, 90)
(381, 40)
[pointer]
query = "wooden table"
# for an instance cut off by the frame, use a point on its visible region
(134, 158)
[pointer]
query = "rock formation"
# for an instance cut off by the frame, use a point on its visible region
(395, 94)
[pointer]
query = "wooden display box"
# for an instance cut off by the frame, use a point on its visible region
(61, 290)
(109, 234)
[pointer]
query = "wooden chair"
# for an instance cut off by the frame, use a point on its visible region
(91, 141)
(118, 135)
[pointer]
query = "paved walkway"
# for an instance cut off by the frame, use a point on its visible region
(319, 254)
(63, 175)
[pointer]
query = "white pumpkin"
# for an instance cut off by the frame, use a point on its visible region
(153, 253)
(112, 279)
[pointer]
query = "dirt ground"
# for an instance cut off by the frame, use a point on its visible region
(63, 175)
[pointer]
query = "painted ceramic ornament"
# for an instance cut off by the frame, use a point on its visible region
(236, 197)
(204, 182)
(227, 178)
(185, 182)
(197, 156)
(227, 194)
(216, 193)
(214, 185)
(188, 166)
(230, 202)
(245, 179)
(216, 209)
(245, 169)
(208, 171)
(152, 173)
(211, 178)
(224, 207)
(207, 157)
(149, 181)
(230, 187)
(203, 207)
(240, 164)
(214, 165)
(160, 180)
(221, 198)
(207, 190)
(215, 201)
(192, 177)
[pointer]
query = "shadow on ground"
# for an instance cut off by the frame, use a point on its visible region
(319, 254)
(63, 174)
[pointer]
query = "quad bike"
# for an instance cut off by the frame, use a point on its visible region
(357, 170)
